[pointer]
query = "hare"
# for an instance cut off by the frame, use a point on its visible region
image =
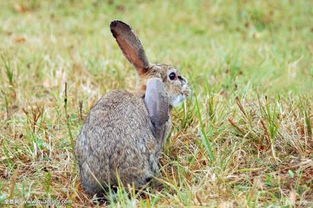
(124, 133)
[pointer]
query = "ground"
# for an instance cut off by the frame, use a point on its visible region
(243, 139)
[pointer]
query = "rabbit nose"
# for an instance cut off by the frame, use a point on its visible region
(183, 81)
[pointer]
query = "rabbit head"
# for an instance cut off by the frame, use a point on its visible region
(175, 85)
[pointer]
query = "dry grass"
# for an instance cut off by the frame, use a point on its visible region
(244, 139)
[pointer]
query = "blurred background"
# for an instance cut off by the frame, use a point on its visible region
(264, 43)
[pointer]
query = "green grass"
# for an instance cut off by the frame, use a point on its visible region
(243, 139)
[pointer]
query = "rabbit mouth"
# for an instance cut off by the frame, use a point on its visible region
(177, 100)
(186, 90)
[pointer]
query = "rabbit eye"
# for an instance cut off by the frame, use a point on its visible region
(172, 76)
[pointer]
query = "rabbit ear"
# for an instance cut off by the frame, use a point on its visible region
(157, 102)
(130, 45)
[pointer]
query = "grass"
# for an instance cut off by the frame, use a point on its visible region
(244, 139)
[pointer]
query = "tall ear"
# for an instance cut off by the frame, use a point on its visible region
(130, 45)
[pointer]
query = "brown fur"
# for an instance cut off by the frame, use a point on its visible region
(119, 139)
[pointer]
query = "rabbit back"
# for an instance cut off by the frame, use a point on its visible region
(117, 141)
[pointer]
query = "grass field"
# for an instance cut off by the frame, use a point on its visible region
(244, 138)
